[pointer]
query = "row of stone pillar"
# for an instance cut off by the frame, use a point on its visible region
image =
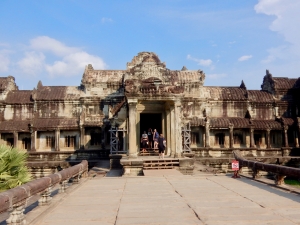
(33, 138)
(252, 141)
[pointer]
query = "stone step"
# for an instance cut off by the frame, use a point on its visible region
(149, 152)
(160, 164)
(158, 167)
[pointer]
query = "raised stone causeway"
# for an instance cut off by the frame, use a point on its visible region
(174, 199)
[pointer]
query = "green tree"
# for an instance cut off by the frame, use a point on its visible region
(13, 169)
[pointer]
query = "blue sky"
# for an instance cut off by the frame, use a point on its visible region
(230, 41)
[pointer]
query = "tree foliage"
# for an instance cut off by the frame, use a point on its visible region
(13, 169)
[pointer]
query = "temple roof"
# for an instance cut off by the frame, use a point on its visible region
(288, 121)
(39, 124)
(50, 123)
(56, 93)
(260, 96)
(238, 122)
(15, 125)
(284, 82)
(19, 97)
(224, 122)
(225, 93)
(265, 124)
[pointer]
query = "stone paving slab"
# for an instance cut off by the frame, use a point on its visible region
(175, 200)
(161, 173)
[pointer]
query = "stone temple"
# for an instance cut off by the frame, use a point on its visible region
(111, 108)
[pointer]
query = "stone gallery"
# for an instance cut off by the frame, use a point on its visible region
(111, 109)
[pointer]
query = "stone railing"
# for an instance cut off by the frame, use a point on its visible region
(280, 171)
(15, 200)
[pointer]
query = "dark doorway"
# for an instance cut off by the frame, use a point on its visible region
(150, 120)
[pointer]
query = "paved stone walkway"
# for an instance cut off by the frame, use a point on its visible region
(205, 199)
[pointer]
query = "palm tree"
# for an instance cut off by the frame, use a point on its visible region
(13, 169)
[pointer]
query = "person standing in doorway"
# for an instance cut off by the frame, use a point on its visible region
(155, 138)
(150, 138)
(144, 141)
(161, 146)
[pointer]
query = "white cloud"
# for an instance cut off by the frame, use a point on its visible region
(4, 63)
(275, 53)
(202, 62)
(215, 76)
(245, 57)
(106, 20)
(44, 43)
(74, 63)
(32, 63)
(5, 59)
(68, 61)
(2, 44)
(285, 23)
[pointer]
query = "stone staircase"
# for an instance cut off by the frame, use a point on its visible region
(149, 152)
(158, 164)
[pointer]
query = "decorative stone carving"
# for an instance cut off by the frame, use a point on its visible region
(17, 216)
(147, 75)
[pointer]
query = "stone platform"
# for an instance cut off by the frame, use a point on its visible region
(137, 166)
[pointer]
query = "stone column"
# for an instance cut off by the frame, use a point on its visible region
(132, 151)
(172, 125)
(230, 136)
(33, 140)
(57, 137)
(124, 140)
(178, 131)
(168, 135)
(207, 142)
(268, 138)
(286, 140)
(82, 137)
(251, 137)
(16, 136)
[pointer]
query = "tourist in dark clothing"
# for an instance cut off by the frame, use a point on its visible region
(161, 146)
(155, 138)
(144, 141)
(150, 137)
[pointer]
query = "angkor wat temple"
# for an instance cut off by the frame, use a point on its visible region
(111, 108)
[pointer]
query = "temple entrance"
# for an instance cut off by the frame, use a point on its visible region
(150, 120)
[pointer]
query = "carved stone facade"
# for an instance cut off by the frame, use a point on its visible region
(149, 95)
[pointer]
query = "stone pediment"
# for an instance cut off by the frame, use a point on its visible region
(144, 66)
(146, 74)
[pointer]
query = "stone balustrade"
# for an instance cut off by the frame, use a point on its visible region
(15, 200)
(280, 171)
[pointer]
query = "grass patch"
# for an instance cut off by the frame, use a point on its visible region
(292, 182)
